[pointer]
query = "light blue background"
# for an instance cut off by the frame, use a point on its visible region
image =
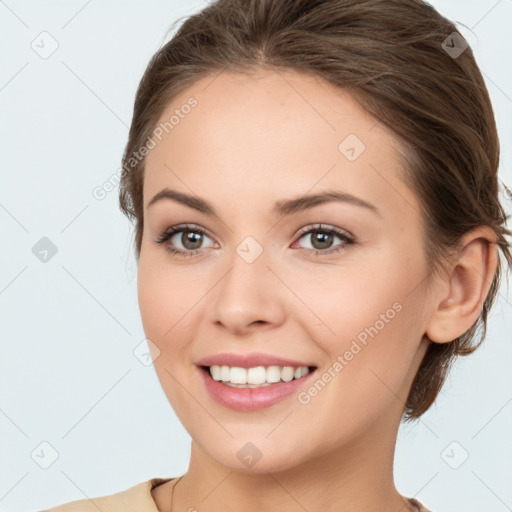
(69, 326)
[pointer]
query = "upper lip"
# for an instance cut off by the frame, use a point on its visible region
(249, 360)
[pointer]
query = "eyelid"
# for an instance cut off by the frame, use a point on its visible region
(178, 228)
(166, 235)
(325, 227)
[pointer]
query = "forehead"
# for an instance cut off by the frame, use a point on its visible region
(271, 134)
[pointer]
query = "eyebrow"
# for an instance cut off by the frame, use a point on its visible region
(282, 208)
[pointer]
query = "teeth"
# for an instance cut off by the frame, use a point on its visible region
(273, 374)
(287, 373)
(258, 376)
(238, 375)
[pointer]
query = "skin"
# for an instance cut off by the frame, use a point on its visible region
(251, 141)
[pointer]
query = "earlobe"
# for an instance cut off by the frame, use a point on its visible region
(468, 281)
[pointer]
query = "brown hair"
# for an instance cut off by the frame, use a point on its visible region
(401, 61)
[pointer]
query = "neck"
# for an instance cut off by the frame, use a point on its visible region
(358, 476)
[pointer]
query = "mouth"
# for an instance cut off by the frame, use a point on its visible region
(256, 376)
(253, 381)
(254, 388)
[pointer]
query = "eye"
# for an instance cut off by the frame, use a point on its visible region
(322, 239)
(188, 236)
(187, 240)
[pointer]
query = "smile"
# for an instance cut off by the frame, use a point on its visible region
(258, 376)
(225, 384)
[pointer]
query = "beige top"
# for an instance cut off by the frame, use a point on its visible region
(135, 499)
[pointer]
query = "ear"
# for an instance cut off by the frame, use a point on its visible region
(468, 282)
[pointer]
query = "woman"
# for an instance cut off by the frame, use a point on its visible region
(314, 185)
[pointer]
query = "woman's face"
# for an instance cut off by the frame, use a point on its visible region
(348, 299)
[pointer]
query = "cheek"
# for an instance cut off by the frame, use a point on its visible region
(163, 299)
(366, 312)
(164, 308)
(368, 361)
(170, 305)
(155, 309)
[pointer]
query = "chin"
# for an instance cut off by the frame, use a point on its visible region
(259, 456)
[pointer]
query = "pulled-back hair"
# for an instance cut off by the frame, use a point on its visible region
(406, 65)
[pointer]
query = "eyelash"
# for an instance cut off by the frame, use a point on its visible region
(166, 235)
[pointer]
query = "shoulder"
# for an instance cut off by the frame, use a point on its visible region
(137, 498)
(419, 506)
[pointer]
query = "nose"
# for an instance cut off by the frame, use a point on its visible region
(249, 296)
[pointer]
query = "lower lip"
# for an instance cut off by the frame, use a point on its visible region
(251, 399)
